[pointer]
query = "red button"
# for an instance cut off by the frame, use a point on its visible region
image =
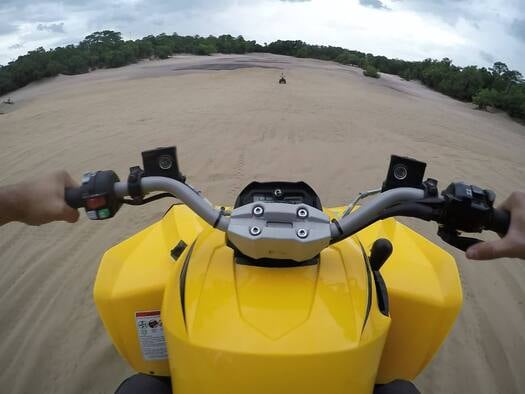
(96, 202)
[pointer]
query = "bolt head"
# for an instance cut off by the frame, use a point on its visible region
(302, 233)
(255, 230)
(258, 210)
(302, 213)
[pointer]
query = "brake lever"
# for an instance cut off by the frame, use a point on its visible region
(453, 238)
(448, 234)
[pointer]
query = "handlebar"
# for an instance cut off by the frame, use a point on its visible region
(194, 200)
(359, 219)
(102, 194)
(102, 198)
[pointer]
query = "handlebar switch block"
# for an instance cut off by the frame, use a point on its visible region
(98, 195)
(467, 207)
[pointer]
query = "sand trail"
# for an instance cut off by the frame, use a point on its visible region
(329, 126)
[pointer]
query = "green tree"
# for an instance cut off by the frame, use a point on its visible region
(162, 51)
(54, 68)
(513, 101)
(487, 98)
(106, 38)
(145, 49)
(77, 65)
(204, 48)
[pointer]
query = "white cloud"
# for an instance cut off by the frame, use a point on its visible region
(465, 31)
(51, 27)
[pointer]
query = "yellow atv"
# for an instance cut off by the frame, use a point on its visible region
(279, 294)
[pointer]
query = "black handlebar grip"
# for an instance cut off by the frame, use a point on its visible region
(500, 221)
(73, 197)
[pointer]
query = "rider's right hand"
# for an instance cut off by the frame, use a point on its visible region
(513, 243)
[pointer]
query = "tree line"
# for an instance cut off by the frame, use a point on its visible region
(497, 86)
(107, 49)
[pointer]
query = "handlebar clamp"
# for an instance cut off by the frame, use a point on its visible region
(134, 187)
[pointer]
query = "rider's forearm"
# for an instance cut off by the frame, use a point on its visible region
(11, 206)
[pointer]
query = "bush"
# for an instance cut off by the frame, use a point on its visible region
(514, 102)
(205, 49)
(487, 98)
(370, 71)
(162, 51)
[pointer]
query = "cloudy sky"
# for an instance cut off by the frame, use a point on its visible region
(468, 31)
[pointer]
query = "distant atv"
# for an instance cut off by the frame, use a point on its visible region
(282, 80)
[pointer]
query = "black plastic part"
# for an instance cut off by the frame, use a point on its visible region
(162, 162)
(178, 250)
(430, 186)
(134, 187)
(499, 222)
(273, 263)
(466, 207)
(369, 283)
(73, 197)
(182, 281)
(453, 238)
(404, 172)
(382, 293)
(380, 252)
(103, 184)
(396, 387)
(221, 214)
(290, 192)
(99, 184)
(142, 201)
(145, 384)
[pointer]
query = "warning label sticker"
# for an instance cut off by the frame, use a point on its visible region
(151, 335)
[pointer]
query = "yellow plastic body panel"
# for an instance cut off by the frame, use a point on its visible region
(234, 328)
(424, 290)
(248, 329)
(132, 277)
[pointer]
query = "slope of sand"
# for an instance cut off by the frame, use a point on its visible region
(329, 126)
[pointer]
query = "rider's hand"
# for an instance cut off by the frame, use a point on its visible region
(513, 243)
(38, 202)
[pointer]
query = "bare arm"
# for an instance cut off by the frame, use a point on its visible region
(513, 243)
(37, 202)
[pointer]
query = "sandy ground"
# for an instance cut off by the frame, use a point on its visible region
(329, 126)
